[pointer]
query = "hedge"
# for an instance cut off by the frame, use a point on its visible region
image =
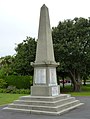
(15, 91)
(20, 82)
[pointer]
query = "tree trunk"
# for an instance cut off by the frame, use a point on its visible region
(58, 80)
(77, 87)
(84, 79)
(63, 81)
(76, 81)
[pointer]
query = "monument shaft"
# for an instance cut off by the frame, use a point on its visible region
(45, 79)
(44, 51)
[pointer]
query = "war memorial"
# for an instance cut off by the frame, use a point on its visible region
(45, 95)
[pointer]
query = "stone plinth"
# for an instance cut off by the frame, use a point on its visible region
(48, 105)
(45, 90)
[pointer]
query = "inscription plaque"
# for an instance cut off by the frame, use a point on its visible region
(54, 91)
(40, 76)
(53, 80)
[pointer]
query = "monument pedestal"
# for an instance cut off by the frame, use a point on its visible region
(45, 80)
(45, 90)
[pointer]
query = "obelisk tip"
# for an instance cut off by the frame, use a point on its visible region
(44, 5)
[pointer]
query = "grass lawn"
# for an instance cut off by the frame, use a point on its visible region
(85, 90)
(80, 93)
(6, 98)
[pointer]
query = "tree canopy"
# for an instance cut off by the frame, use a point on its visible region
(72, 47)
(25, 54)
(6, 65)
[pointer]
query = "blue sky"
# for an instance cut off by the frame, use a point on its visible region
(20, 18)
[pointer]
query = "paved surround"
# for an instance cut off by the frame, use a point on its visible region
(82, 112)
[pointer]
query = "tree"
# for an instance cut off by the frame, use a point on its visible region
(72, 48)
(25, 54)
(6, 65)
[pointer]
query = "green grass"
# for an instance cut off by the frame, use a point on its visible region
(86, 88)
(6, 98)
(84, 92)
(80, 93)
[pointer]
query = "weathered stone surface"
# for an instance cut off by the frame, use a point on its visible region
(44, 53)
(45, 79)
(39, 90)
(49, 105)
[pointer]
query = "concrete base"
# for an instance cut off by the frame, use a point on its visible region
(49, 105)
(43, 90)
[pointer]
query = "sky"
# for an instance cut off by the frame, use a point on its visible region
(20, 18)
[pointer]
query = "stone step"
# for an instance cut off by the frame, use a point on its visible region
(56, 113)
(52, 105)
(45, 108)
(45, 103)
(42, 112)
(45, 98)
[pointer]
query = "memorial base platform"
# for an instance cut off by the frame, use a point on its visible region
(48, 105)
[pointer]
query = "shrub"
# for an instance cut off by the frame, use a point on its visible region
(11, 89)
(20, 82)
(15, 91)
(3, 90)
(24, 91)
(3, 83)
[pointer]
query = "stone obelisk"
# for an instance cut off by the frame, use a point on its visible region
(45, 79)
